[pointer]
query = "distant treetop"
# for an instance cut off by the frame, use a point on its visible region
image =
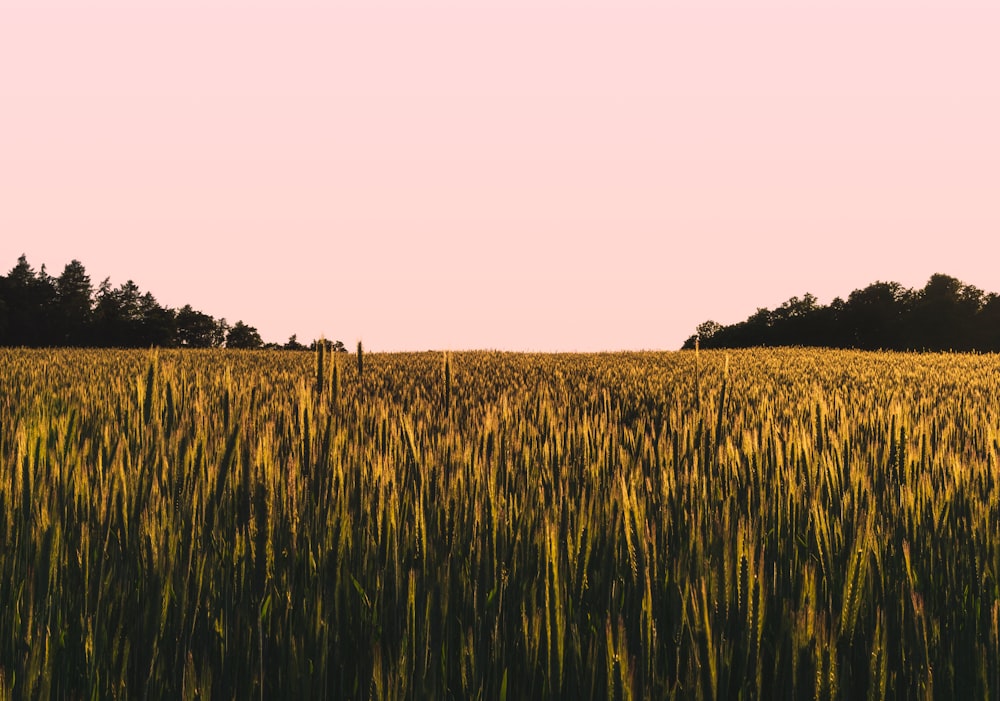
(39, 310)
(945, 315)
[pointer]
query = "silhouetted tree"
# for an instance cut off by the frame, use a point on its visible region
(157, 326)
(37, 309)
(196, 329)
(123, 316)
(114, 313)
(707, 329)
(755, 331)
(14, 301)
(28, 299)
(293, 343)
(331, 346)
(935, 322)
(222, 328)
(946, 314)
(988, 324)
(45, 323)
(873, 317)
(3, 312)
(243, 336)
(74, 298)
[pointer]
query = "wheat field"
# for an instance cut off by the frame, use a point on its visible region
(762, 524)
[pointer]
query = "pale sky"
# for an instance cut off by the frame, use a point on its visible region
(544, 175)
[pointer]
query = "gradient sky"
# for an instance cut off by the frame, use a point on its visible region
(543, 175)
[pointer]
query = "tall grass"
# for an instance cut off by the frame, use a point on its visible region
(207, 523)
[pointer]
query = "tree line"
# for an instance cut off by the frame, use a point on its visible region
(39, 310)
(945, 315)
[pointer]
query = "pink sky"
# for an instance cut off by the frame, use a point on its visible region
(544, 175)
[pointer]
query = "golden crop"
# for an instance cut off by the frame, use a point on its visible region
(801, 524)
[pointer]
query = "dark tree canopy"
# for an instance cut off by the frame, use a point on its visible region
(74, 300)
(198, 330)
(27, 296)
(37, 309)
(945, 315)
(331, 346)
(243, 336)
(293, 343)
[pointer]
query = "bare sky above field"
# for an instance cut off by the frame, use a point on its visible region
(544, 175)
